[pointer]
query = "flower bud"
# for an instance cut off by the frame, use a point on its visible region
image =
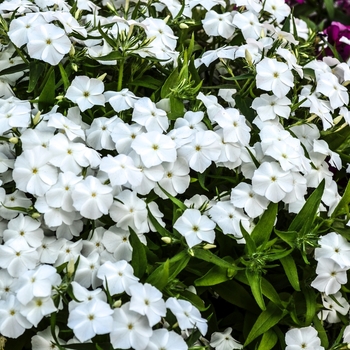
(36, 119)
(183, 26)
(13, 140)
(35, 215)
(117, 304)
(101, 77)
(70, 268)
(166, 240)
(209, 246)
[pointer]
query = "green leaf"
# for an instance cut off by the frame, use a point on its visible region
(14, 69)
(266, 320)
(254, 281)
(214, 276)
(244, 106)
(239, 77)
(310, 300)
(64, 76)
(169, 84)
(290, 237)
(262, 231)
(290, 269)
(160, 276)
(146, 81)
(306, 215)
(322, 334)
(343, 205)
(208, 256)
(234, 293)
(139, 258)
(194, 299)
(47, 96)
(178, 263)
(250, 246)
(176, 108)
(36, 69)
(268, 340)
(330, 8)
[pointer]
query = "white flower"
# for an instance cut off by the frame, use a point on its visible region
(271, 181)
(121, 170)
(330, 276)
(333, 304)
(91, 198)
(166, 340)
(44, 340)
(86, 92)
(268, 107)
(37, 308)
(12, 322)
(37, 283)
(91, 318)
(146, 113)
(274, 76)
(224, 340)
(48, 43)
(195, 227)
(86, 272)
(218, 24)
(130, 329)
(187, 315)
(303, 339)
(117, 277)
(278, 9)
(147, 300)
(336, 247)
(33, 173)
(249, 24)
(129, 210)
(243, 196)
(121, 100)
(17, 257)
(203, 149)
(116, 241)
(154, 148)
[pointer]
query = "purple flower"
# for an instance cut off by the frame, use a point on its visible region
(335, 32)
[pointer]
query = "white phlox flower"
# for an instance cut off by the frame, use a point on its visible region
(176, 178)
(91, 318)
(303, 339)
(229, 218)
(333, 307)
(124, 134)
(121, 100)
(86, 272)
(45, 340)
(99, 134)
(167, 340)
(117, 277)
(86, 92)
(130, 329)
(224, 340)
(270, 106)
(234, 126)
(121, 170)
(66, 126)
(37, 308)
(116, 241)
(218, 24)
(48, 43)
(26, 229)
(203, 149)
(277, 8)
(91, 198)
(37, 283)
(329, 86)
(187, 315)
(146, 113)
(147, 300)
(70, 251)
(274, 76)
(334, 246)
(249, 24)
(129, 210)
(12, 322)
(330, 276)
(271, 181)
(154, 148)
(33, 173)
(243, 196)
(17, 257)
(195, 227)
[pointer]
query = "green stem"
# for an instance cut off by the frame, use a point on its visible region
(120, 76)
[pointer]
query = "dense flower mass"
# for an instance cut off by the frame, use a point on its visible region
(173, 175)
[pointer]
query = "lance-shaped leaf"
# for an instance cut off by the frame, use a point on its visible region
(254, 280)
(290, 269)
(139, 258)
(266, 320)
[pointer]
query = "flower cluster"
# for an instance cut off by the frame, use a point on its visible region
(168, 169)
